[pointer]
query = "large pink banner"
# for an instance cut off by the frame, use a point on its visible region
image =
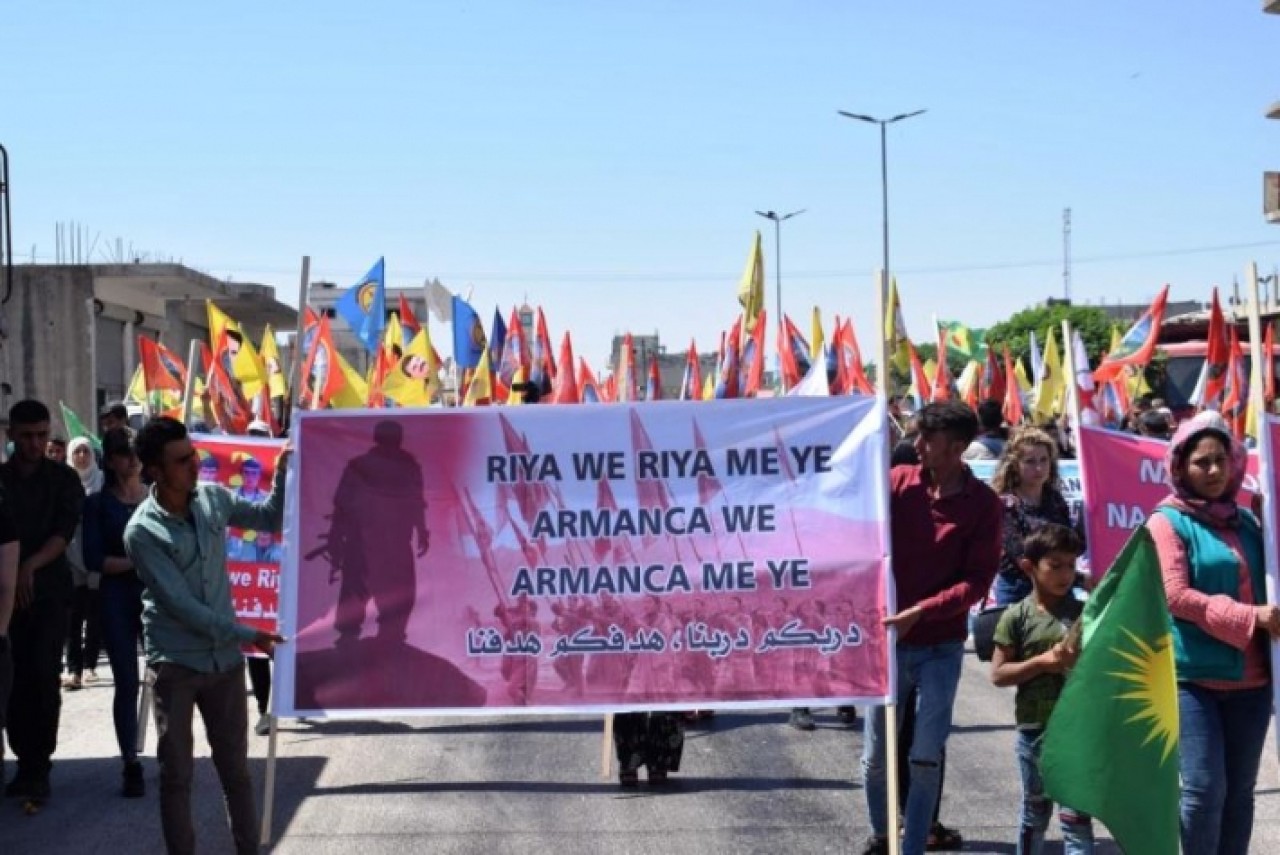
(654, 556)
(1124, 480)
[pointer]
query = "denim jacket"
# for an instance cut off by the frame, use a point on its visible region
(188, 617)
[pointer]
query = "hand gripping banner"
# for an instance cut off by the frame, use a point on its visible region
(665, 555)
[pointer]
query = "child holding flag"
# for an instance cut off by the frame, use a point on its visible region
(1034, 651)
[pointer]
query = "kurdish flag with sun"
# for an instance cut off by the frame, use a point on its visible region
(1111, 747)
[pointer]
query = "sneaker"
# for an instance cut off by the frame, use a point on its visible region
(135, 787)
(71, 682)
(802, 719)
(91, 676)
(263, 727)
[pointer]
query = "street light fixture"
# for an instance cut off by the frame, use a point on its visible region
(778, 220)
(884, 175)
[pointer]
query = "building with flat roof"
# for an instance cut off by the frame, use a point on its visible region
(68, 332)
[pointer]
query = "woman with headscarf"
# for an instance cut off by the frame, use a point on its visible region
(1211, 558)
(83, 640)
(105, 516)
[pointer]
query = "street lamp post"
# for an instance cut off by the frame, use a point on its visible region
(884, 181)
(778, 220)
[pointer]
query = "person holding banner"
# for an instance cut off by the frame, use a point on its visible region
(946, 527)
(1030, 491)
(106, 513)
(1211, 558)
(177, 542)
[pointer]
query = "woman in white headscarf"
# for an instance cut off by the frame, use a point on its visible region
(83, 638)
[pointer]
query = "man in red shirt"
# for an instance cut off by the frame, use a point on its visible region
(945, 548)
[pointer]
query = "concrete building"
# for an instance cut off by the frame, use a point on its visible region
(69, 332)
(670, 365)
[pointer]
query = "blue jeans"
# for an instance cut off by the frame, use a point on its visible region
(1222, 735)
(121, 601)
(935, 672)
(1077, 828)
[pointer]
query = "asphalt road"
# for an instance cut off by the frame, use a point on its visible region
(749, 784)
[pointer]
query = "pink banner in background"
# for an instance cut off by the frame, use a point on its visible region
(587, 557)
(1124, 477)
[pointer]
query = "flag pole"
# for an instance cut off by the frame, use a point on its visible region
(1076, 416)
(295, 368)
(189, 386)
(1266, 470)
(891, 599)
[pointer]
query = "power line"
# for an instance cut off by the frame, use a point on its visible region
(720, 277)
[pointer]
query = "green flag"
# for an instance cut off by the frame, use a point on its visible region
(1111, 747)
(76, 428)
(963, 341)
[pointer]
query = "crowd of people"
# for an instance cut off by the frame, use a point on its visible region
(128, 546)
(126, 549)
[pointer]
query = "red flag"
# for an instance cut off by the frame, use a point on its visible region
(626, 372)
(650, 493)
(1216, 358)
(408, 320)
(752, 358)
(653, 387)
(691, 382)
(322, 378)
(155, 374)
(850, 373)
(942, 374)
(588, 386)
(609, 389)
(727, 375)
(230, 410)
(991, 386)
(793, 353)
(1013, 395)
(383, 364)
(542, 367)
(565, 389)
(1235, 397)
(1138, 343)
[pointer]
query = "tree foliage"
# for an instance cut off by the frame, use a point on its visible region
(1093, 324)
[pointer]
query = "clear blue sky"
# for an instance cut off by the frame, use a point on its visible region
(605, 159)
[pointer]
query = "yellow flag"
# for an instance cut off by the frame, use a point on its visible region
(393, 335)
(413, 381)
(895, 329)
(514, 398)
(1048, 394)
(480, 389)
(967, 383)
(751, 288)
(271, 363)
(137, 387)
(816, 340)
(355, 389)
(930, 374)
(246, 365)
(709, 387)
(1024, 382)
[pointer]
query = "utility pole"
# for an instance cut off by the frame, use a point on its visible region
(1066, 255)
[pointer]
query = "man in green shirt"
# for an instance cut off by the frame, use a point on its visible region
(177, 541)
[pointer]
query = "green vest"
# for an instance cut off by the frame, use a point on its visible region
(1214, 569)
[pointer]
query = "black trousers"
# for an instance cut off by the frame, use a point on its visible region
(260, 680)
(36, 636)
(84, 638)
